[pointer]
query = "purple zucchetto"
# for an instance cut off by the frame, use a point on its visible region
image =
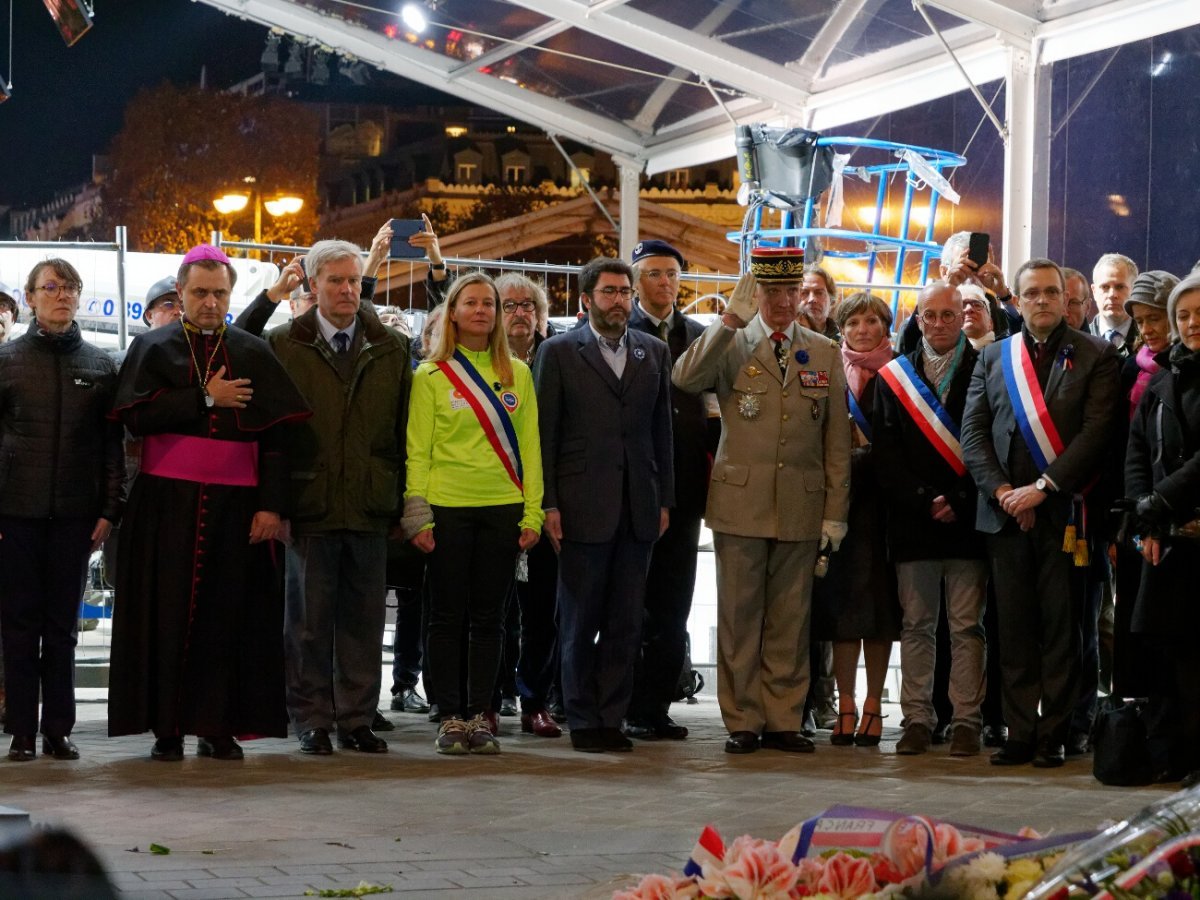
(205, 252)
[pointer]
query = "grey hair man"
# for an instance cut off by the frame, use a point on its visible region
(347, 465)
(931, 531)
(525, 309)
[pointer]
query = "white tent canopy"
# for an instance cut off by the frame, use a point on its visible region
(658, 83)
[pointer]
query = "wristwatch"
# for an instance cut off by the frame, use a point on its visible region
(1043, 485)
(438, 267)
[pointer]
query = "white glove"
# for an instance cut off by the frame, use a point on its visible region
(832, 534)
(742, 302)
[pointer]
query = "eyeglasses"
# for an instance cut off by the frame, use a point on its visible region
(1073, 303)
(53, 289)
(609, 292)
(946, 317)
(1050, 293)
(655, 274)
(513, 305)
(974, 304)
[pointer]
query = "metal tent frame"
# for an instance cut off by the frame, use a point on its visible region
(821, 88)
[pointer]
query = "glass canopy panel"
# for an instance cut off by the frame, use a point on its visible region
(462, 29)
(600, 76)
(778, 32)
(884, 24)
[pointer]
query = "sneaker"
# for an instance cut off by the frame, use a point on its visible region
(452, 737)
(480, 738)
(915, 740)
(965, 741)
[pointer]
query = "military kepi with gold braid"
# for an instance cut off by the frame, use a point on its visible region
(769, 264)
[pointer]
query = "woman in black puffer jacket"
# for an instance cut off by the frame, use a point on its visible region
(1162, 474)
(62, 466)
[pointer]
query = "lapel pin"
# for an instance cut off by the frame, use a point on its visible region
(802, 356)
(639, 353)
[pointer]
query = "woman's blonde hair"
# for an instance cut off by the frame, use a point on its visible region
(447, 334)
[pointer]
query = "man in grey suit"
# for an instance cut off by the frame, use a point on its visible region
(1040, 413)
(604, 409)
(780, 490)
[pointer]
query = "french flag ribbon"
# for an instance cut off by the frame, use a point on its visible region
(925, 409)
(709, 849)
(1029, 405)
(493, 417)
(856, 413)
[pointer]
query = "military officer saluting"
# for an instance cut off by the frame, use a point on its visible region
(780, 492)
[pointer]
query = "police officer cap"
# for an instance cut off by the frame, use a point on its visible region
(656, 248)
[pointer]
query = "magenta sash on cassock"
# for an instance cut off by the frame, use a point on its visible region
(206, 460)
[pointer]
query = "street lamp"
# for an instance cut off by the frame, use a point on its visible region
(236, 201)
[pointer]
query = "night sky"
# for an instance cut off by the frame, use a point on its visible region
(68, 102)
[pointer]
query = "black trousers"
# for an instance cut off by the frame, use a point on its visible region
(1039, 616)
(537, 667)
(406, 573)
(470, 570)
(44, 562)
(669, 588)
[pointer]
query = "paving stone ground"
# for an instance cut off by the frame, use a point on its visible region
(537, 821)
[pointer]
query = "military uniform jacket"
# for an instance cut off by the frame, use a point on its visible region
(783, 462)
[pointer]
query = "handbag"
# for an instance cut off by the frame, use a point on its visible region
(1121, 747)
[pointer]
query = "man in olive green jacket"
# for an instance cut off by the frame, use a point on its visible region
(347, 470)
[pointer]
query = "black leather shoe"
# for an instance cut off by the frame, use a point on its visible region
(809, 727)
(614, 741)
(587, 740)
(741, 742)
(508, 707)
(409, 701)
(670, 730)
(643, 731)
(364, 740)
(59, 747)
(167, 749)
(316, 742)
(381, 722)
(1049, 756)
(219, 748)
(434, 714)
(1013, 753)
(1190, 780)
(557, 712)
(23, 748)
(788, 741)
(1077, 743)
(994, 735)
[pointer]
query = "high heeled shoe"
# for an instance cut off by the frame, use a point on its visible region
(864, 738)
(844, 737)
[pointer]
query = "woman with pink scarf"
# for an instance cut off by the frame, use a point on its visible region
(856, 603)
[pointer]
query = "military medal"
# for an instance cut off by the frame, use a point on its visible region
(816, 410)
(753, 371)
(748, 406)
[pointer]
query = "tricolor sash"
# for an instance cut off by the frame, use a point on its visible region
(926, 410)
(1028, 403)
(493, 417)
(856, 413)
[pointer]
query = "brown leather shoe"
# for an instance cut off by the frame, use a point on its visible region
(541, 724)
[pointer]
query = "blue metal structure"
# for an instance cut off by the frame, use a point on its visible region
(797, 228)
